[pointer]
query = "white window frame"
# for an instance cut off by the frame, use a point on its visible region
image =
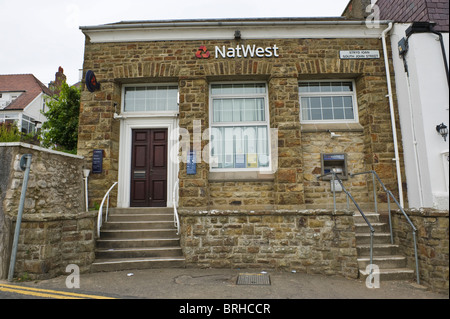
(149, 113)
(265, 123)
(31, 121)
(325, 94)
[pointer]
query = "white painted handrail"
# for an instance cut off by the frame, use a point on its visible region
(176, 219)
(100, 211)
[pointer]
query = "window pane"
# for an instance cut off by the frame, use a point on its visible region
(238, 110)
(306, 108)
(338, 101)
(339, 114)
(348, 101)
(328, 114)
(327, 102)
(347, 86)
(227, 110)
(303, 87)
(151, 98)
(240, 147)
(315, 102)
(314, 87)
(238, 88)
(325, 87)
(316, 114)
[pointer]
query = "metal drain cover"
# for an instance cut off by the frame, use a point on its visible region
(253, 279)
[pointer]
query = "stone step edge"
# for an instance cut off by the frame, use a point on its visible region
(136, 239)
(365, 224)
(378, 246)
(374, 234)
(103, 250)
(139, 215)
(133, 260)
(358, 214)
(381, 258)
(389, 271)
(136, 230)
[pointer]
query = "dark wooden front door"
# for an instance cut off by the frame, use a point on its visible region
(149, 168)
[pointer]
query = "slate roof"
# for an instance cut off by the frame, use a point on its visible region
(26, 83)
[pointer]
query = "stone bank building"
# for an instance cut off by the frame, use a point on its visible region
(253, 104)
(237, 119)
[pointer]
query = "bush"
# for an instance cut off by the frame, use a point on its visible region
(9, 133)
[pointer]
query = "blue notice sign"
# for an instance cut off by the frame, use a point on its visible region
(191, 166)
(97, 162)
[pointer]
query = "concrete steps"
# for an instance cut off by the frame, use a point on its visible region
(138, 238)
(391, 265)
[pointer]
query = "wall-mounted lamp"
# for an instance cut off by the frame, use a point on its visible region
(333, 135)
(237, 35)
(442, 130)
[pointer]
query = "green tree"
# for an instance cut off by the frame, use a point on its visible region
(61, 128)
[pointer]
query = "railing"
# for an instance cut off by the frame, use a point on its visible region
(176, 219)
(349, 196)
(389, 196)
(100, 211)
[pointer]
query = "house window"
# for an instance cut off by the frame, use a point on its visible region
(239, 127)
(156, 98)
(328, 101)
(9, 118)
(28, 124)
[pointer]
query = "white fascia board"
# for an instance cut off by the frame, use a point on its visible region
(149, 34)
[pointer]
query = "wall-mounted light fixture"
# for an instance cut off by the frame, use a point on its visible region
(442, 130)
(237, 35)
(333, 135)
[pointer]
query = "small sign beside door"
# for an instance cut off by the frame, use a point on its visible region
(97, 162)
(191, 166)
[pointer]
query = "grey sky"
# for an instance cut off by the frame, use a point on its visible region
(39, 36)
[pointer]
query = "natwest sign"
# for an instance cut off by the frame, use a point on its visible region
(244, 51)
(240, 51)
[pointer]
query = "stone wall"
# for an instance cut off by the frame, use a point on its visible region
(314, 242)
(55, 230)
(432, 245)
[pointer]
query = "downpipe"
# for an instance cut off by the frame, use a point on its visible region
(25, 164)
(391, 107)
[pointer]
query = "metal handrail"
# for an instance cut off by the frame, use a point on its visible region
(372, 230)
(389, 195)
(176, 219)
(100, 210)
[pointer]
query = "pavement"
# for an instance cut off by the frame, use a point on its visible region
(189, 284)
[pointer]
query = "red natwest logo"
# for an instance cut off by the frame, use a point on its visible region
(202, 53)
